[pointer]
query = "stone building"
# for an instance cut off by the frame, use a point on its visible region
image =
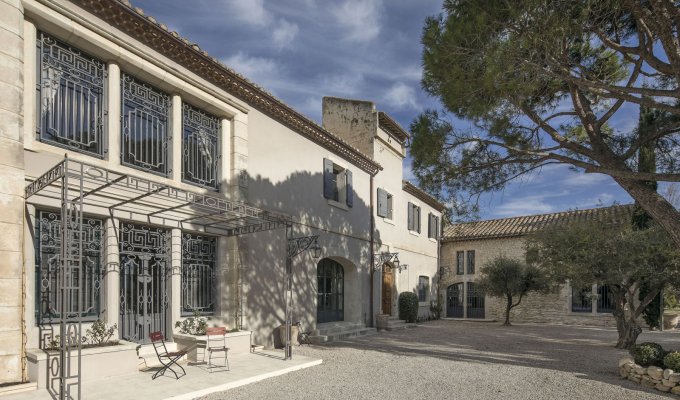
(466, 247)
(191, 180)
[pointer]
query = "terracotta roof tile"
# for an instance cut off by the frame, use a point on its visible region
(524, 225)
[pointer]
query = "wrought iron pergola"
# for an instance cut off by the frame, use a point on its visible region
(75, 187)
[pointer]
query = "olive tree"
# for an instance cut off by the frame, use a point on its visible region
(512, 279)
(616, 255)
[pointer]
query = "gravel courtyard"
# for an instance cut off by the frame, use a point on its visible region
(463, 360)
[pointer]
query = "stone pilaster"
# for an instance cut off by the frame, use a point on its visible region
(176, 277)
(113, 121)
(175, 142)
(239, 158)
(12, 324)
(111, 305)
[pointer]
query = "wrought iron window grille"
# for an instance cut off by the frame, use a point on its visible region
(70, 97)
(47, 261)
(144, 126)
(200, 147)
(198, 274)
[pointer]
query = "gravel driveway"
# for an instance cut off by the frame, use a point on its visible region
(463, 360)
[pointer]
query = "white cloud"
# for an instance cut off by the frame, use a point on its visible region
(262, 71)
(523, 206)
(401, 96)
(284, 34)
(361, 19)
(251, 12)
(341, 84)
(580, 179)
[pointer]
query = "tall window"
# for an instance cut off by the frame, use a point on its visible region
(581, 299)
(337, 183)
(144, 128)
(605, 299)
(330, 291)
(385, 204)
(198, 273)
(432, 226)
(423, 287)
(471, 262)
(47, 259)
(460, 262)
(200, 147)
(413, 217)
(70, 97)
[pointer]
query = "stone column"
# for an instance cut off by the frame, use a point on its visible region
(113, 118)
(12, 324)
(176, 278)
(111, 306)
(175, 144)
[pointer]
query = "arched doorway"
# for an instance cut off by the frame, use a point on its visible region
(454, 301)
(330, 291)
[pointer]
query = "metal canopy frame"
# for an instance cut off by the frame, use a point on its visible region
(73, 185)
(130, 197)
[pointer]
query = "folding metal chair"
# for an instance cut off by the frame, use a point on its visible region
(167, 358)
(215, 345)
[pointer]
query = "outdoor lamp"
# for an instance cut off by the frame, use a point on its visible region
(395, 261)
(316, 250)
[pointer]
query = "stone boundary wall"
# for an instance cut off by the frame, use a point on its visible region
(664, 380)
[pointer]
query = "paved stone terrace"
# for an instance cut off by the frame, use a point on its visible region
(464, 360)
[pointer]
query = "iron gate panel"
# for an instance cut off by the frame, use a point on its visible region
(475, 301)
(454, 301)
(144, 282)
(198, 273)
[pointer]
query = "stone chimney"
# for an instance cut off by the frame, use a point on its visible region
(354, 121)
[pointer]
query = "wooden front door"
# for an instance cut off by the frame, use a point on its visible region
(387, 284)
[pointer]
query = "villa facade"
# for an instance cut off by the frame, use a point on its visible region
(144, 118)
(466, 247)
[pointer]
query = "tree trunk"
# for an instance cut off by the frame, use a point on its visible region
(629, 333)
(508, 307)
(658, 207)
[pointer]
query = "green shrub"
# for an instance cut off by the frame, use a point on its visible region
(647, 354)
(408, 306)
(672, 361)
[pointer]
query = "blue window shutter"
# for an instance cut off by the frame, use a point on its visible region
(417, 218)
(328, 189)
(410, 216)
(382, 203)
(349, 188)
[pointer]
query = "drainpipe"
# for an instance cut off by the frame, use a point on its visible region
(372, 227)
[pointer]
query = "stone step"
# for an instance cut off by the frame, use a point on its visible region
(317, 339)
(334, 328)
(396, 324)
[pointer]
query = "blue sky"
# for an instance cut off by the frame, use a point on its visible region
(302, 50)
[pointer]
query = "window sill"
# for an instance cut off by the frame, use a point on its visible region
(414, 233)
(388, 221)
(433, 240)
(337, 204)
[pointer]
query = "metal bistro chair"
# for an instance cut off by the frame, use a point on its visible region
(167, 358)
(215, 345)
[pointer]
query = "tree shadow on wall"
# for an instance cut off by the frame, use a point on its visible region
(344, 236)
